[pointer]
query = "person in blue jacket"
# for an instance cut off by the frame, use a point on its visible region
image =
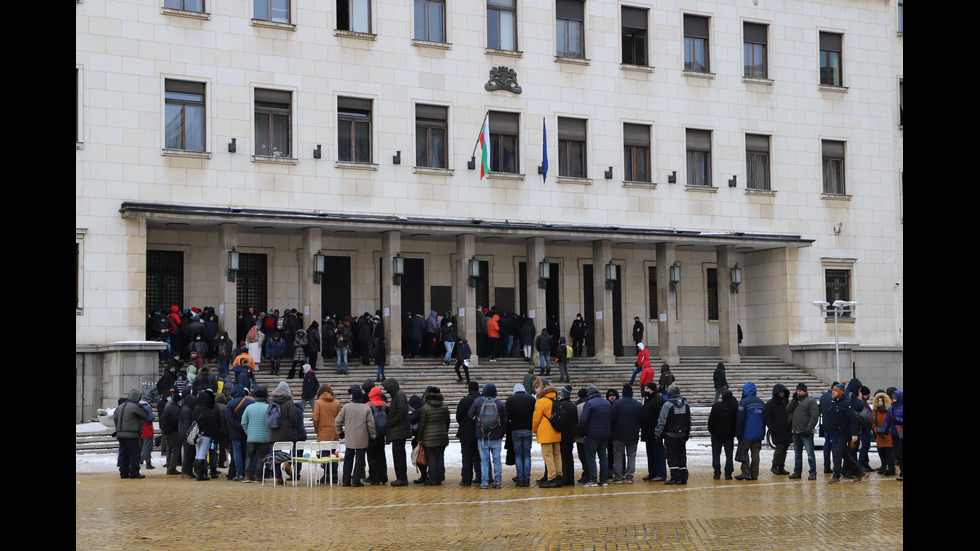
(750, 428)
(842, 427)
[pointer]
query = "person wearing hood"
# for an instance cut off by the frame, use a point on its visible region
(750, 428)
(520, 416)
(377, 463)
(310, 385)
(282, 396)
(777, 421)
(207, 424)
(129, 418)
(233, 414)
(399, 429)
(416, 331)
(256, 432)
(184, 422)
(275, 348)
(463, 354)
(543, 345)
(313, 343)
(493, 333)
(895, 426)
(223, 349)
(433, 434)
(466, 434)
(299, 351)
(625, 423)
(562, 357)
(720, 380)
(721, 426)
(595, 425)
(325, 411)
(804, 412)
(578, 331)
(653, 402)
(548, 437)
(491, 424)
(883, 439)
(355, 423)
(415, 405)
(842, 427)
(642, 363)
(674, 426)
(666, 377)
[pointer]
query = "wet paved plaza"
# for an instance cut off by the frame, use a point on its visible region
(164, 512)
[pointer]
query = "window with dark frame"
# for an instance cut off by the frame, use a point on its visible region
(570, 30)
(430, 20)
(185, 5)
(502, 24)
(504, 142)
(838, 283)
(354, 130)
(273, 123)
(711, 293)
(634, 36)
(652, 290)
(572, 144)
(276, 11)
(354, 16)
(164, 279)
(184, 115)
(754, 50)
(833, 167)
(431, 133)
(636, 152)
(831, 59)
(757, 162)
(696, 44)
(698, 157)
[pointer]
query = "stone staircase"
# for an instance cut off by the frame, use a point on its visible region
(693, 376)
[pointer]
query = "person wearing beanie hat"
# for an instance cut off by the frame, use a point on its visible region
(466, 433)
(596, 426)
(569, 426)
(842, 427)
(625, 424)
(310, 386)
(578, 331)
(236, 434)
(520, 416)
(256, 432)
(653, 402)
(721, 426)
(491, 426)
(433, 433)
(674, 426)
(804, 412)
(777, 423)
(355, 424)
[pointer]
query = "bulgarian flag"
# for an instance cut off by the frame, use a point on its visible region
(484, 143)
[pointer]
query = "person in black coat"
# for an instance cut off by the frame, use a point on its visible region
(169, 424)
(626, 417)
(653, 402)
(520, 413)
(577, 332)
(720, 380)
(569, 430)
(841, 423)
(466, 433)
(721, 426)
(777, 421)
(207, 424)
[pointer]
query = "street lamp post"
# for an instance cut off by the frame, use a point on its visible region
(838, 308)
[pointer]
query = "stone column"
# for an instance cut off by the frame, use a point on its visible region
(391, 243)
(604, 345)
(535, 295)
(310, 293)
(666, 305)
(227, 290)
(465, 294)
(727, 306)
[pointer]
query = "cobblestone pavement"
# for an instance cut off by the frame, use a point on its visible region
(164, 512)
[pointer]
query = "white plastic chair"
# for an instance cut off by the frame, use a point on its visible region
(306, 452)
(286, 447)
(326, 446)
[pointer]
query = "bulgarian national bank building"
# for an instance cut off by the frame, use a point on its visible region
(708, 166)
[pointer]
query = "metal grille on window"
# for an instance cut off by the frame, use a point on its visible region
(712, 293)
(164, 280)
(838, 288)
(252, 281)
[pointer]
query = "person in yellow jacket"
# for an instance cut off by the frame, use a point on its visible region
(548, 437)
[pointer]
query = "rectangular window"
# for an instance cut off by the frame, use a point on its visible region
(838, 283)
(572, 147)
(354, 15)
(184, 112)
(185, 5)
(634, 36)
(431, 129)
(901, 102)
(430, 22)
(696, 44)
(652, 284)
(711, 293)
(354, 130)
(504, 142)
(273, 123)
(502, 24)
(636, 148)
(833, 167)
(754, 50)
(272, 10)
(831, 59)
(901, 16)
(164, 279)
(570, 30)
(698, 157)
(757, 161)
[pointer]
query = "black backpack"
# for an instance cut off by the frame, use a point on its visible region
(273, 416)
(555, 415)
(380, 420)
(489, 417)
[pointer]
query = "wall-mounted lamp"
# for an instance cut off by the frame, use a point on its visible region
(675, 276)
(608, 174)
(473, 270)
(612, 274)
(397, 158)
(733, 181)
(544, 273)
(316, 152)
(319, 262)
(736, 278)
(471, 164)
(232, 147)
(232, 264)
(672, 177)
(397, 268)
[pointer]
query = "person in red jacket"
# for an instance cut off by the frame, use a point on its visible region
(493, 333)
(642, 365)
